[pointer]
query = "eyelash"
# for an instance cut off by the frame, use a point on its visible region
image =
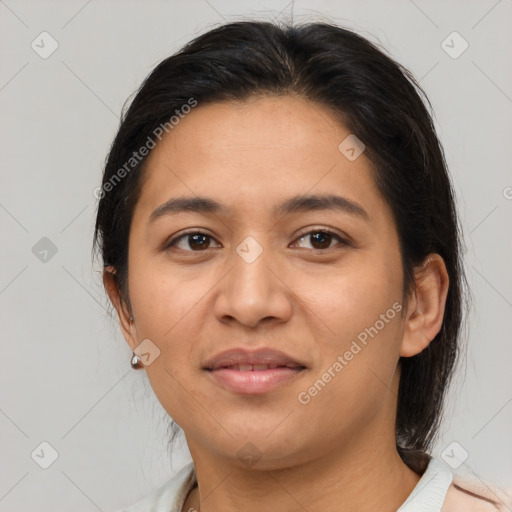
(173, 241)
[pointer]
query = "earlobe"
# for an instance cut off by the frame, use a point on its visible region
(425, 309)
(123, 311)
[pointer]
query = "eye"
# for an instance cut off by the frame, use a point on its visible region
(195, 240)
(321, 239)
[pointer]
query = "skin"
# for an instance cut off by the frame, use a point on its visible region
(193, 303)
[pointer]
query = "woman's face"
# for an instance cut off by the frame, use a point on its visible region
(264, 274)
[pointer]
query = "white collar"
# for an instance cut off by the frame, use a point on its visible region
(430, 492)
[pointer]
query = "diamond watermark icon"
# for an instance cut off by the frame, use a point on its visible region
(249, 454)
(454, 45)
(44, 45)
(455, 455)
(44, 455)
(249, 250)
(147, 352)
(44, 249)
(351, 147)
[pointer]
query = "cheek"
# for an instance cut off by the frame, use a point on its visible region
(358, 358)
(170, 311)
(354, 297)
(361, 306)
(162, 298)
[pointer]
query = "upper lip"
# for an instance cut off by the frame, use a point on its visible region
(238, 356)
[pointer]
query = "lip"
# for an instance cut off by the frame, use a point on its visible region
(225, 370)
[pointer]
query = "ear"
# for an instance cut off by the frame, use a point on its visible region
(425, 306)
(123, 310)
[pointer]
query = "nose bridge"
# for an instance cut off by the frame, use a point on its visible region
(252, 292)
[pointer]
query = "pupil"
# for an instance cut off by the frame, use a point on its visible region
(322, 238)
(193, 239)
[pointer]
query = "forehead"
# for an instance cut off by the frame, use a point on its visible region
(269, 124)
(251, 152)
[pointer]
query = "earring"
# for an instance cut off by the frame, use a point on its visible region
(135, 362)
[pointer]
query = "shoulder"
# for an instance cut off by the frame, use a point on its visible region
(471, 495)
(170, 496)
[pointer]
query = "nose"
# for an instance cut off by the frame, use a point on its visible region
(254, 292)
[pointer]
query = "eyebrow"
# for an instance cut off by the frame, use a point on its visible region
(297, 204)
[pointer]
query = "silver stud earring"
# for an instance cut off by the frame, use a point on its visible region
(135, 362)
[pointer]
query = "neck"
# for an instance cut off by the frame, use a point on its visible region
(361, 478)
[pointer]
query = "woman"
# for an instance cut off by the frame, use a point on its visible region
(280, 242)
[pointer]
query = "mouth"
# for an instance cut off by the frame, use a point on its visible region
(256, 367)
(257, 372)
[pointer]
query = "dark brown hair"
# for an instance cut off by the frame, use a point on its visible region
(379, 101)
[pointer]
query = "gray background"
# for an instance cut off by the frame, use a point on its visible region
(65, 375)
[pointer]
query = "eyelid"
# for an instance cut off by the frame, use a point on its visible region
(323, 229)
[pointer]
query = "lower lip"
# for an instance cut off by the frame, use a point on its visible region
(254, 382)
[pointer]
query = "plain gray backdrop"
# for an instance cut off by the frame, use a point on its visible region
(67, 68)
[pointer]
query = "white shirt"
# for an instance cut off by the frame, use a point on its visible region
(427, 496)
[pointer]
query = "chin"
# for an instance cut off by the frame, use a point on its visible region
(256, 449)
